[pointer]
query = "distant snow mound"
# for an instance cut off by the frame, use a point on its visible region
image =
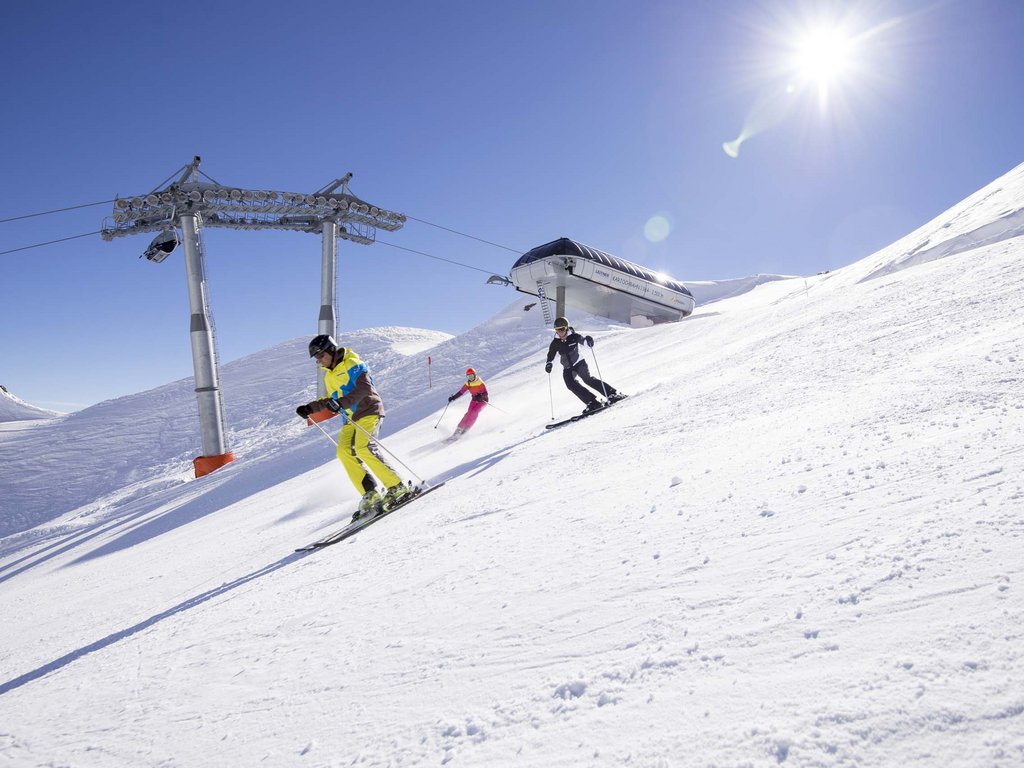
(15, 409)
(708, 291)
(526, 315)
(390, 339)
(404, 341)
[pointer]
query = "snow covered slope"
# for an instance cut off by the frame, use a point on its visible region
(13, 408)
(140, 443)
(798, 542)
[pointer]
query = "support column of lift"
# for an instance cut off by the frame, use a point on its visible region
(328, 322)
(204, 358)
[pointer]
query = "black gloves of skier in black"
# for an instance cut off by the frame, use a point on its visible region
(547, 367)
(589, 340)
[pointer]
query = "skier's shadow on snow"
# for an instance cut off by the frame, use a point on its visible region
(124, 634)
(155, 514)
(482, 463)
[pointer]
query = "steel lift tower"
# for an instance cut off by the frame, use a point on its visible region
(179, 211)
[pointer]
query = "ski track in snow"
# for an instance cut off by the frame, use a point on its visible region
(798, 542)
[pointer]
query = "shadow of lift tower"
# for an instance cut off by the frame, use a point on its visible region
(179, 211)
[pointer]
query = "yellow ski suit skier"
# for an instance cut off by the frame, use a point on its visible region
(351, 393)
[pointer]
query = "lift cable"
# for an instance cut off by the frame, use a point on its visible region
(56, 210)
(383, 242)
(50, 242)
(456, 232)
(438, 258)
(106, 202)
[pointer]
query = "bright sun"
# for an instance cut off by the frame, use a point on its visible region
(831, 59)
(823, 56)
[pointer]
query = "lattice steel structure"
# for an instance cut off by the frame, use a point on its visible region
(179, 211)
(236, 208)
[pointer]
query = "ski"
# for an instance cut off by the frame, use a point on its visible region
(364, 522)
(604, 407)
(575, 418)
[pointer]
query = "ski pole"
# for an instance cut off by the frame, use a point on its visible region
(443, 413)
(375, 439)
(551, 397)
(604, 389)
(317, 425)
(501, 410)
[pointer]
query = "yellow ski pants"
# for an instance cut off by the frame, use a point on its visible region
(360, 455)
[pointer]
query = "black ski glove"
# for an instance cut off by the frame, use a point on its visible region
(303, 411)
(451, 397)
(332, 404)
(589, 340)
(547, 368)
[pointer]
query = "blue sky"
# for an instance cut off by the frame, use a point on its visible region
(515, 123)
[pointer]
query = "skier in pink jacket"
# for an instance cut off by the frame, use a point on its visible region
(477, 401)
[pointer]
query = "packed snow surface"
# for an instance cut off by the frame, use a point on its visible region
(798, 542)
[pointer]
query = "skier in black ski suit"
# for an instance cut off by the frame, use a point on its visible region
(567, 345)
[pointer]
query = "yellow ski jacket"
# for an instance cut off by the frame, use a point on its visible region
(349, 382)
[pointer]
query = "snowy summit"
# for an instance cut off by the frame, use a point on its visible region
(798, 542)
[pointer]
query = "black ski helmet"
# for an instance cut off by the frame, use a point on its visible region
(322, 343)
(561, 322)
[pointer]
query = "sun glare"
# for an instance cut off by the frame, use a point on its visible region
(823, 55)
(837, 61)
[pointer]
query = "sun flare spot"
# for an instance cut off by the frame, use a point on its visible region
(657, 228)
